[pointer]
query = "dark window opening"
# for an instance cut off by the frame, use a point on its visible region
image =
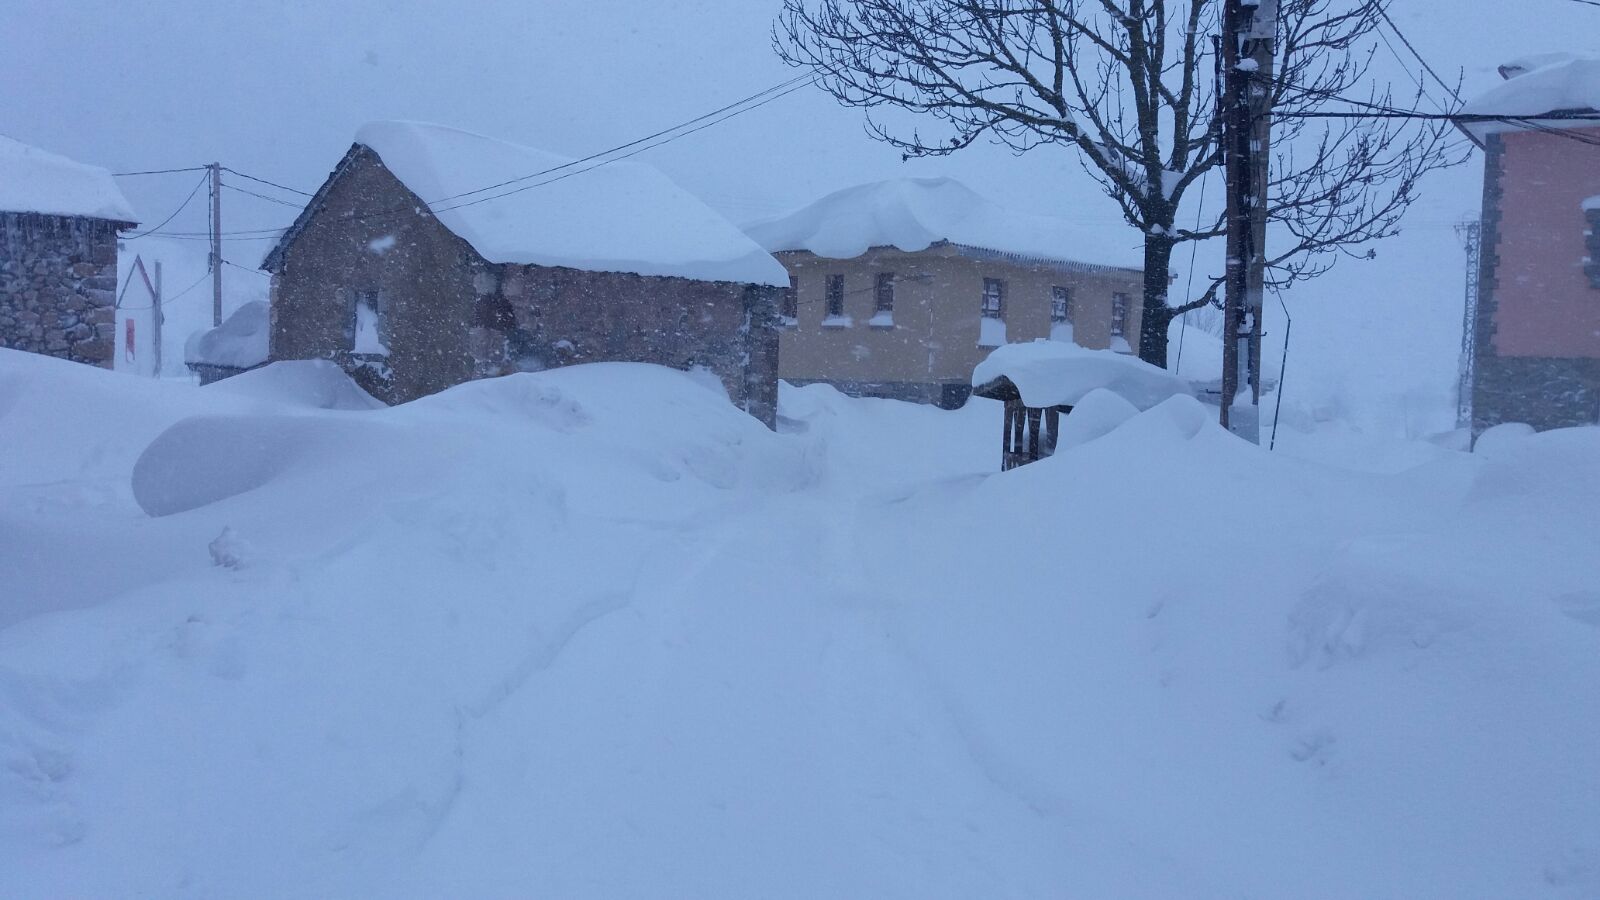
(1591, 266)
(885, 293)
(835, 296)
(790, 308)
(1119, 314)
(994, 298)
(1060, 305)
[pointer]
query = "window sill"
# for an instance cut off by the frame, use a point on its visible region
(838, 322)
(881, 320)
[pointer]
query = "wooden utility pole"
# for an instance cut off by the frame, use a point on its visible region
(216, 243)
(1249, 33)
(157, 319)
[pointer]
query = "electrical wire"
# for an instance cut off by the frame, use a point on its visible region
(164, 222)
(1409, 46)
(624, 156)
(276, 200)
(168, 300)
(229, 262)
(793, 83)
(267, 183)
(158, 172)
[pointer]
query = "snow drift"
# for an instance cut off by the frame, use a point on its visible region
(32, 180)
(621, 217)
(595, 632)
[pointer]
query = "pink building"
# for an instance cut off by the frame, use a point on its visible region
(1537, 347)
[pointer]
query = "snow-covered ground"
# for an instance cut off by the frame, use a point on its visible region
(594, 633)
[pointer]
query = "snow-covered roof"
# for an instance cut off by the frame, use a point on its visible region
(1535, 86)
(1055, 373)
(37, 181)
(912, 214)
(621, 217)
(240, 342)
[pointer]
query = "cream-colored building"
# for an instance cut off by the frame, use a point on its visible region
(874, 319)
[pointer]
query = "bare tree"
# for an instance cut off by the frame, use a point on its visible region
(1131, 87)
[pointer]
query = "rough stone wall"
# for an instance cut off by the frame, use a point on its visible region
(537, 317)
(449, 316)
(1543, 391)
(368, 235)
(58, 283)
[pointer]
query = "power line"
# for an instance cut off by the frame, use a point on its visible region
(129, 237)
(790, 83)
(229, 262)
(157, 172)
(267, 183)
(167, 300)
(805, 80)
(276, 200)
(1409, 46)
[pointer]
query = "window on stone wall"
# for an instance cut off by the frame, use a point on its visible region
(994, 298)
(885, 292)
(835, 296)
(1591, 265)
(365, 326)
(790, 308)
(1060, 305)
(1119, 314)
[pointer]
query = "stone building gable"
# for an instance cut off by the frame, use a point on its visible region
(448, 316)
(58, 282)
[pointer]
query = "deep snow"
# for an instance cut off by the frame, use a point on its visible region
(593, 632)
(621, 217)
(34, 180)
(913, 213)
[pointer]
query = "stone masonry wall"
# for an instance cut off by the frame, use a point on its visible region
(58, 283)
(538, 317)
(447, 315)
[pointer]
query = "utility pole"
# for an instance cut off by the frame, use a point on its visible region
(1249, 33)
(1471, 234)
(157, 319)
(216, 243)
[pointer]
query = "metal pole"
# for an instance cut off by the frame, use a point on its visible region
(216, 243)
(157, 319)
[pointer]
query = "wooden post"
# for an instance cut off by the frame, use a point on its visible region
(157, 319)
(1249, 29)
(216, 243)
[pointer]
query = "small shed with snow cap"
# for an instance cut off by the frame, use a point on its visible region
(432, 256)
(59, 223)
(1042, 380)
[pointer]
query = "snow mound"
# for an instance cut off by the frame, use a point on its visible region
(622, 217)
(1097, 414)
(33, 180)
(1050, 373)
(205, 459)
(240, 342)
(1559, 85)
(314, 383)
(912, 214)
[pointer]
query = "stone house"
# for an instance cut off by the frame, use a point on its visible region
(1535, 338)
(432, 256)
(59, 222)
(900, 288)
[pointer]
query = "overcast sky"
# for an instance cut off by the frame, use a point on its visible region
(278, 89)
